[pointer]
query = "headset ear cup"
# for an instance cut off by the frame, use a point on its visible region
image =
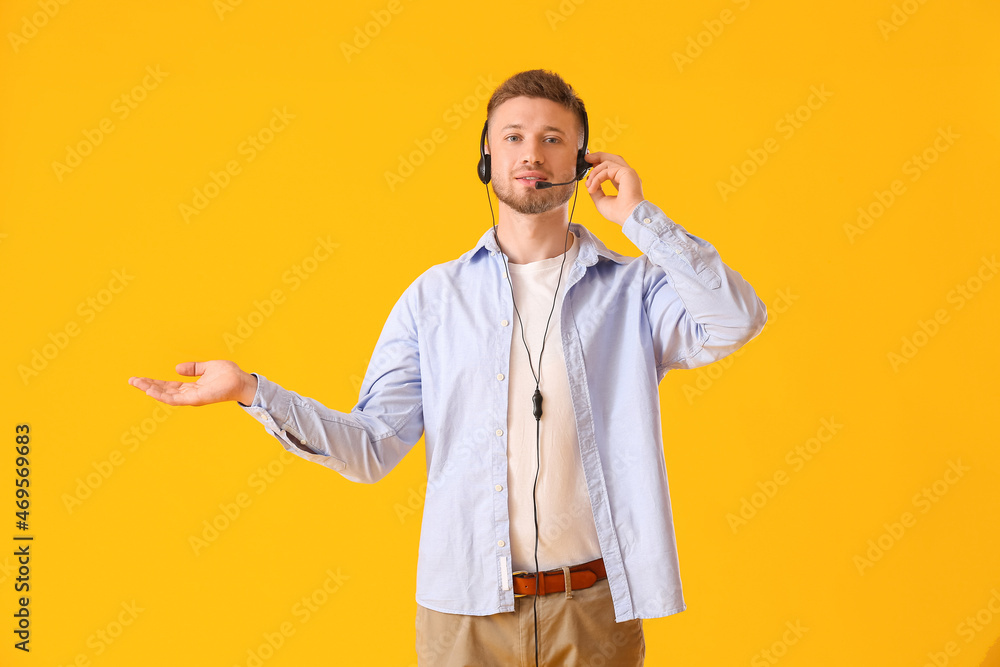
(484, 169)
(581, 163)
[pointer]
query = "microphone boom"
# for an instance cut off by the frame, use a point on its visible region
(541, 185)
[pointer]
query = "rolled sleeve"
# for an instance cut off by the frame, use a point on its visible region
(366, 443)
(700, 310)
(271, 406)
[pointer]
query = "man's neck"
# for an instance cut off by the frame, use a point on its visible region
(530, 238)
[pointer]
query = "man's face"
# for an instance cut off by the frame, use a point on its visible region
(532, 137)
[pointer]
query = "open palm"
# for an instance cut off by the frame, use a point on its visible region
(220, 380)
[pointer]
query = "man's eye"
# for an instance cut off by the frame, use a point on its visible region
(554, 139)
(510, 137)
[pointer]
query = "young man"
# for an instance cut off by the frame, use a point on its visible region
(572, 484)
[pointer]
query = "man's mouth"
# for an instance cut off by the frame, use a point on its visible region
(530, 179)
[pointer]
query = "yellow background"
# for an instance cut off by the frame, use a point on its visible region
(839, 305)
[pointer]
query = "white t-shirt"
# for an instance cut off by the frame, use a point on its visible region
(567, 534)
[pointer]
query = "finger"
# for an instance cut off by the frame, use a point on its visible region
(191, 368)
(594, 187)
(603, 167)
(140, 383)
(176, 393)
(168, 397)
(631, 184)
(169, 392)
(604, 175)
(602, 157)
(597, 195)
(146, 383)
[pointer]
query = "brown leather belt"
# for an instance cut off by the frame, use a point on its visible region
(554, 581)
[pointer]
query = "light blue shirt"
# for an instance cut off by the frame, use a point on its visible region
(439, 370)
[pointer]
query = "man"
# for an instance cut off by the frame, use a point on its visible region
(539, 307)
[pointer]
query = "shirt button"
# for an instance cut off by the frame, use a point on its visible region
(500, 543)
(678, 251)
(504, 323)
(646, 220)
(500, 376)
(499, 431)
(499, 487)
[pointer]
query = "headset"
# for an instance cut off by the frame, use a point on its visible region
(484, 171)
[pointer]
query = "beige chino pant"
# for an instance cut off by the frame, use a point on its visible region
(579, 630)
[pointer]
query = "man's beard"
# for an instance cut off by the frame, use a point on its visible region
(531, 201)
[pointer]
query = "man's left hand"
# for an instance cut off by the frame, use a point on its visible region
(609, 167)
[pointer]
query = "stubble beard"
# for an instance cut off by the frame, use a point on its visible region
(531, 201)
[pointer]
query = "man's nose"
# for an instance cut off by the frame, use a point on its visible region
(531, 152)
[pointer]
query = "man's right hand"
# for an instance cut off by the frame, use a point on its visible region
(220, 381)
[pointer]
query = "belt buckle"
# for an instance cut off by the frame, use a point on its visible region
(514, 575)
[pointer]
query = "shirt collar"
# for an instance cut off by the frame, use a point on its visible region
(591, 247)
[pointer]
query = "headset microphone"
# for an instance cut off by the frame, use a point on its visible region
(541, 185)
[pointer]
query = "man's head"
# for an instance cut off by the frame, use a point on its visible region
(535, 128)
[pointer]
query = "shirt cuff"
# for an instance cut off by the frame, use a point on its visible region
(271, 407)
(665, 243)
(256, 395)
